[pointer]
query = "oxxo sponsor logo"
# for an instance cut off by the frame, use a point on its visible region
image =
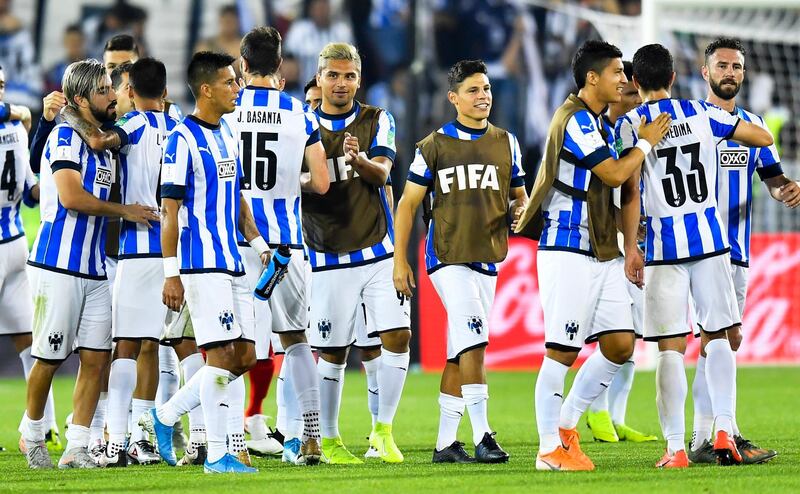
(104, 177)
(226, 168)
(474, 176)
(734, 158)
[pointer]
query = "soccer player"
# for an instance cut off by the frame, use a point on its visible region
(349, 232)
(467, 236)
(276, 137)
(139, 136)
(606, 414)
(70, 291)
(313, 94)
(686, 248)
(724, 71)
(582, 285)
(202, 206)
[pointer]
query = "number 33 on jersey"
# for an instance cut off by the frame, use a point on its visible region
(679, 178)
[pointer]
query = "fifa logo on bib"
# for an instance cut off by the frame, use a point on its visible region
(571, 328)
(475, 176)
(324, 327)
(734, 158)
(103, 177)
(55, 339)
(475, 324)
(226, 169)
(226, 320)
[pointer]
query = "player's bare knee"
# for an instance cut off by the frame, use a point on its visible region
(94, 363)
(675, 344)
(368, 354)
(22, 341)
(562, 356)
(735, 337)
(396, 340)
(127, 349)
(334, 356)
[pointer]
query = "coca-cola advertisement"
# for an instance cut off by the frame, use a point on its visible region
(516, 328)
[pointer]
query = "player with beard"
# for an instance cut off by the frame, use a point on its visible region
(724, 71)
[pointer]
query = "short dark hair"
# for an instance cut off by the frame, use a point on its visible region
(116, 74)
(593, 55)
(74, 28)
(653, 67)
(463, 69)
(122, 42)
(230, 9)
(311, 83)
(724, 42)
(261, 47)
(627, 67)
(203, 68)
(148, 78)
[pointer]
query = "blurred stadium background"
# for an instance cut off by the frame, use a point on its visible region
(407, 46)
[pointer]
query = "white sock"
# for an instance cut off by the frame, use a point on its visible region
(593, 378)
(49, 409)
(293, 421)
(281, 422)
(451, 409)
(186, 399)
(548, 398)
(77, 437)
(391, 379)
(121, 383)
(167, 374)
(373, 390)
(307, 381)
(139, 408)
(190, 366)
(32, 430)
(476, 398)
(671, 391)
(97, 427)
(721, 379)
(236, 416)
(735, 386)
(331, 381)
(618, 392)
(600, 404)
(703, 419)
(214, 397)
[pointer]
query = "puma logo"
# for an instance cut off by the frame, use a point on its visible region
(203, 149)
(170, 157)
(65, 140)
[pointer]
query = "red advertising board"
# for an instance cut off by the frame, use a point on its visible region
(771, 321)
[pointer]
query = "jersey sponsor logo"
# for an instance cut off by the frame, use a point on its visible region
(734, 158)
(324, 328)
(226, 320)
(104, 177)
(571, 328)
(475, 324)
(226, 169)
(474, 176)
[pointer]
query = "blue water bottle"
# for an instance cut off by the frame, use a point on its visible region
(274, 273)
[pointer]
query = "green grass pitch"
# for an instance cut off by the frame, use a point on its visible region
(768, 412)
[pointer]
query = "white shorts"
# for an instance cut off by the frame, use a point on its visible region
(336, 297)
(637, 307)
(70, 313)
(16, 302)
(287, 309)
(467, 296)
(138, 312)
(111, 271)
(221, 307)
(739, 275)
(177, 327)
(364, 330)
(666, 297)
(582, 298)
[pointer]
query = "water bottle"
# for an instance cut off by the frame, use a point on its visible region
(274, 273)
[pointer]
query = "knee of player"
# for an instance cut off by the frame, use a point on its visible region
(618, 355)
(735, 337)
(397, 340)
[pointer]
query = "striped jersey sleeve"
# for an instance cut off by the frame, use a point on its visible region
(582, 139)
(130, 128)
(517, 175)
(383, 143)
(723, 124)
(176, 166)
(312, 127)
(418, 171)
(67, 150)
(768, 162)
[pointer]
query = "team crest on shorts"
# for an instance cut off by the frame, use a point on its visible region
(226, 320)
(475, 324)
(324, 327)
(55, 339)
(571, 328)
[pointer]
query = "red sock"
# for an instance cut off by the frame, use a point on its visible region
(260, 378)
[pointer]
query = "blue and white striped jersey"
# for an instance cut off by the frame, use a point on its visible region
(16, 178)
(201, 168)
(140, 165)
(588, 141)
(68, 241)
(680, 179)
(273, 130)
(735, 191)
(420, 174)
(382, 145)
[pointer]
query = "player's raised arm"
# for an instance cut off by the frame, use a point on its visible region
(750, 134)
(614, 172)
(412, 197)
(630, 205)
(97, 139)
(316, 179)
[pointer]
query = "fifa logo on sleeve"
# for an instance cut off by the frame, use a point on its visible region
(324, 328)
(56, 339)
(226, 320)
(226, 169)
(475, 324)
(474, 176)
(571, 328)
